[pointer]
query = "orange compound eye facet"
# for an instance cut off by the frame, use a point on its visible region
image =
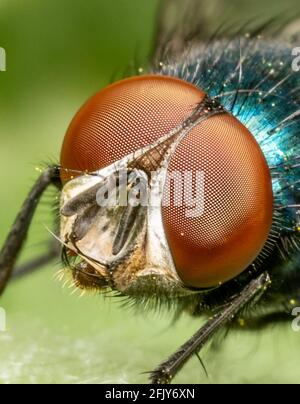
(124, 117)
(236, 203)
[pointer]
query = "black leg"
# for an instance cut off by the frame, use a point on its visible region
(166, 371)
(261, 322)
(54, 252)
(18, 233)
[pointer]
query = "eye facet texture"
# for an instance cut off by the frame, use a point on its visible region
(124, 117)
(237, 203)
(227, 236)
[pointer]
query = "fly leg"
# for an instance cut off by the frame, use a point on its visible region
(17, 236)
(54, 252)
(261, 322)
(167, 370)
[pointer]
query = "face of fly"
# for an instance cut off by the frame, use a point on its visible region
(111, 221)
(115, 220)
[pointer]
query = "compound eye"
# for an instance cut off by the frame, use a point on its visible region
(231, 195)
(124, 117)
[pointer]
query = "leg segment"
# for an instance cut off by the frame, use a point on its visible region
(18, 233)
(53, 253)
(166, 371)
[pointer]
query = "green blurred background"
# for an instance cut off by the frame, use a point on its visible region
(59, 52)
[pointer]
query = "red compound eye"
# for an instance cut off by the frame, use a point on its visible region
(237, 193)
(227, 236)
(124, 117)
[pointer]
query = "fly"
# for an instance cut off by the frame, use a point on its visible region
(225, 111)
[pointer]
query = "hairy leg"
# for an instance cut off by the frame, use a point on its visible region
(53, 253)
(167, 370)
(17, 236)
